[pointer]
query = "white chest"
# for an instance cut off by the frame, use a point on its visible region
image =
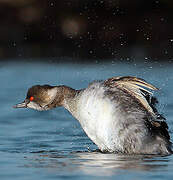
(97, 116)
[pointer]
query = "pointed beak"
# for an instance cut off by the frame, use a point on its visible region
(21, 105)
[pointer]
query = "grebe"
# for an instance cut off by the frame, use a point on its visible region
(118, 114)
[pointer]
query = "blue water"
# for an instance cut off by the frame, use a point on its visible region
(52, 145)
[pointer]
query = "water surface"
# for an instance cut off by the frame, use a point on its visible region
(51, 144)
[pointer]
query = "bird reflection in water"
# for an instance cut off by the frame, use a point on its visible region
(95, 163)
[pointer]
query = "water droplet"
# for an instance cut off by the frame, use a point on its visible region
(14, 44)
(128, 59)
(162, 19)
(166, 52)
(90, 51)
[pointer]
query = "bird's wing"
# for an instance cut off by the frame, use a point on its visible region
(134, 86)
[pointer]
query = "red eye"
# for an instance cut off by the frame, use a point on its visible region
(31, 98)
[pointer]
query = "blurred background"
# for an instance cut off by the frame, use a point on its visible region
(86, 29)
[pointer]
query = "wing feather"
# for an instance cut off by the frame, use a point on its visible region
(134, 86)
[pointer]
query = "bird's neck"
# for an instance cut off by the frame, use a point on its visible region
(70, 99)
(66, 97)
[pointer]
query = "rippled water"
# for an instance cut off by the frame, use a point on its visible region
(52, 145)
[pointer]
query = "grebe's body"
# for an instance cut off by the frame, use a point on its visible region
(118, 114)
